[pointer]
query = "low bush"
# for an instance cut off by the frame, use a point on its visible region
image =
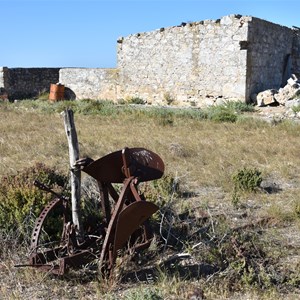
(135, 100)
(20, 199)
(247, 179)
(221, 113)
(228, 112)
(239, 106)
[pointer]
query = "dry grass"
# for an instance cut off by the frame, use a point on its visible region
(202, 154)
(208, 152)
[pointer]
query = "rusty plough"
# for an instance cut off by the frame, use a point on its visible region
(124, 215)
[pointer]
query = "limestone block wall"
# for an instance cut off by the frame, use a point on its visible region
(185, 63)
(22, 83)
(270, 56)
(2, 71)
(3, 92)
(90, 83)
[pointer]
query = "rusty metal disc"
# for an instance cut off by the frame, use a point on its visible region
(129, 220)
(143, 163)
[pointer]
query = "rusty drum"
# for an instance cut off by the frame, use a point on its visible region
(57, 92)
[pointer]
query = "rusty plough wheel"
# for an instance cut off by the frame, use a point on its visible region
(124, 223)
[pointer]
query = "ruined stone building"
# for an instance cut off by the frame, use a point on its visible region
(193, 63)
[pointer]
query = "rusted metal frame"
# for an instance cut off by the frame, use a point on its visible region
(133, 189)
(112, 192)
(145, 235)
(62, 258)
(44, 257)
(41, 258)
(61, 267)
(47, 189)
(54, 269)
(133, 196)
(146, 226)
(76, 259)
(125, 158)
(60, 264)
(109, 238)
(40, 221)
(104, 198)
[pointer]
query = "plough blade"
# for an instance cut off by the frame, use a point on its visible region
(130, 219)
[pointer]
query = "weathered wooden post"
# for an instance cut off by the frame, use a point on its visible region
(75, 174)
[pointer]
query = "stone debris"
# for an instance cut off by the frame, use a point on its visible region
(265, 98)
(288, 96)
(290, 91)
(278, 105)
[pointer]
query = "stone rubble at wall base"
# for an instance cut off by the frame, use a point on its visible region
(277, 105)
(284, 96)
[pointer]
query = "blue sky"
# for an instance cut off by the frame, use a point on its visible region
(83, 33)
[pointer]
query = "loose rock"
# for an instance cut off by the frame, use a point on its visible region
(266, 97)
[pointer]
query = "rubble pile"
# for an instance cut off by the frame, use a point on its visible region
(288, 96)
(280, 104)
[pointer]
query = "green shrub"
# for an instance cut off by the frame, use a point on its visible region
(247, 179)
(239, 106)
(19, 198)
(221, 113)
(93, 107)
(136, 100)
(228, 112)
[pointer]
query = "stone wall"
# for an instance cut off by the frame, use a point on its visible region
(296, 52)
(186, 63)
(2, 71)
(201, 62)
(90, 83)
(195, 64)
(22, 83)
(3, 92)
(269, 61)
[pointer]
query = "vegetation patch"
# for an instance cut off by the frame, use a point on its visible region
(21, 202)
(227, 112)
(247, 179)
(202, 246)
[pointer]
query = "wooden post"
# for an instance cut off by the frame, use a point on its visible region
(75, 174)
